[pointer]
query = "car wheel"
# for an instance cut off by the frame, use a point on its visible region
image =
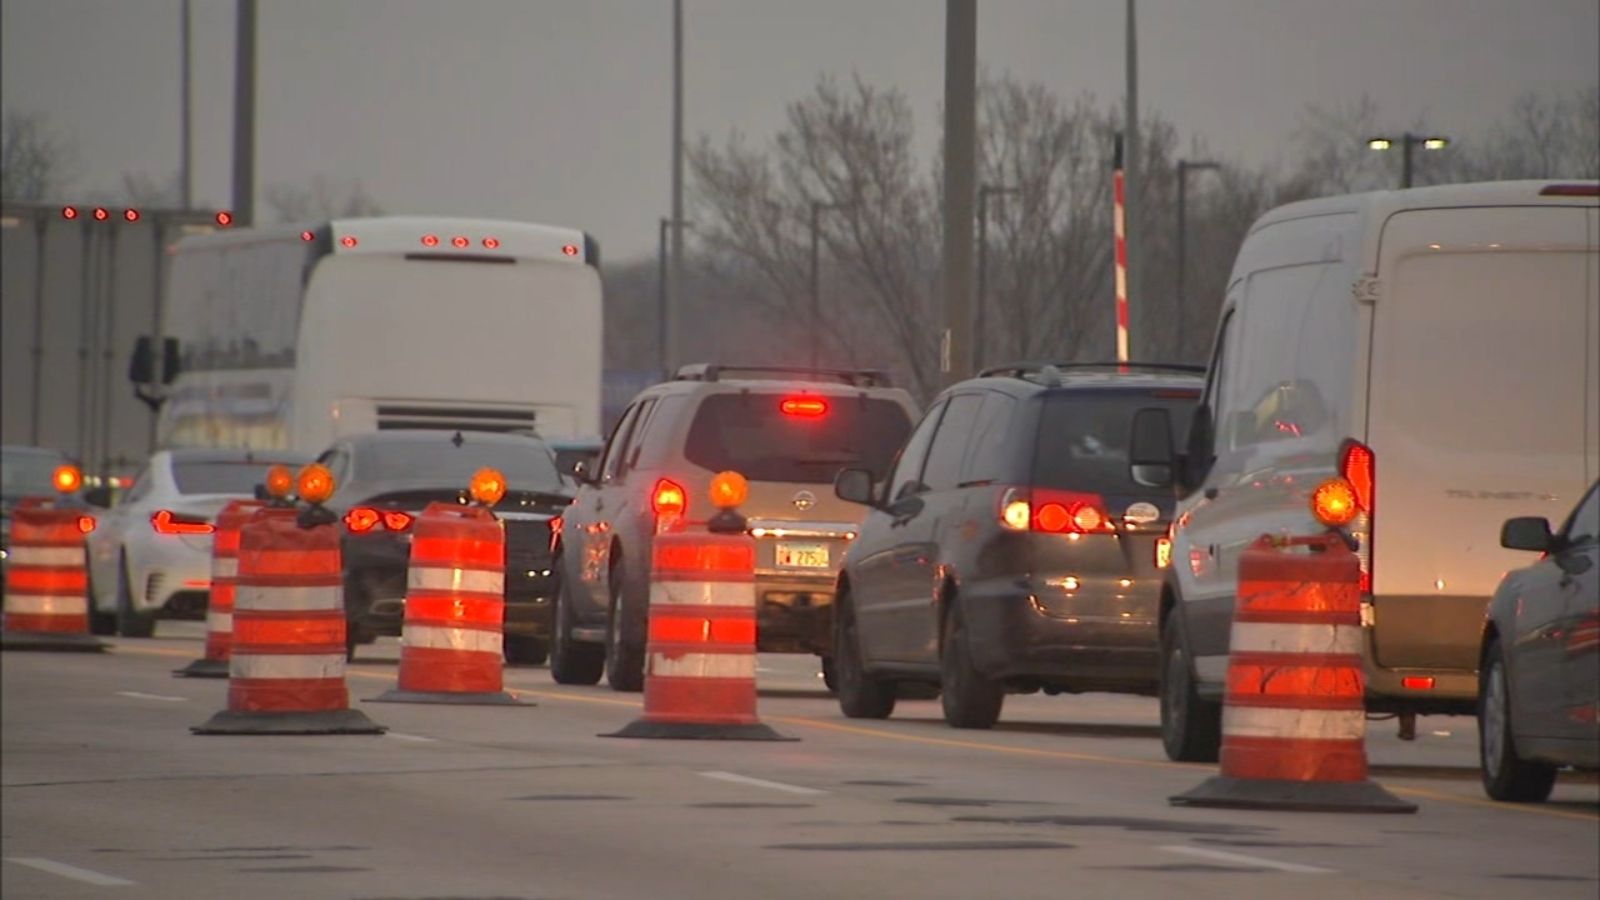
(830, 674)
(624, 656)
(1506, 776)
(525, 650)
(130, 623)
(571, 661)
(861, 696)
(1191, 726)
(970, 700)
(103, 623)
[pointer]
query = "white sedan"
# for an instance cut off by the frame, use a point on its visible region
(151, 553)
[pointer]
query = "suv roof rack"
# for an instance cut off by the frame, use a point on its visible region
(1053, 370)
(718, 371)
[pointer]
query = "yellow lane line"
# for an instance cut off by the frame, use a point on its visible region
(1494, 804)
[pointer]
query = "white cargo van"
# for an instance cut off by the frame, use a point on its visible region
(1439, 347)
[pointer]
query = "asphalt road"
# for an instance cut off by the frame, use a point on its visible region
(106, 793)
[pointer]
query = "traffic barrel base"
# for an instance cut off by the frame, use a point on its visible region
(1226, 792)
(333, 721)
(1294, 712)
(224, 589)
(204, 668)
(51, 642)
(700, 669)
(498, 698)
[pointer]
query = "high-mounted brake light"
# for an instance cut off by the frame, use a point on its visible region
(1571, 190)
(166, 521)
(362, 519)
(570, 249)
(804, 407)
(430, 240)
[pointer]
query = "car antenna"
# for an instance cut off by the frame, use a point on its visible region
(458, 440)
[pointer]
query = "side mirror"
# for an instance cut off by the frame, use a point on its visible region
(583, 470)
(1150, 453)
(142, 366)
(171, 363)
(98, 496)
(1526, 533)
(854, 485)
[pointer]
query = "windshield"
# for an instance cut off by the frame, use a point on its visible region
(526, 466)
(216, 476)
(753, 435)
(1083, 438)
(28, 474)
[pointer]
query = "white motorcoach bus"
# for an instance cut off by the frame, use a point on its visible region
(290, 337)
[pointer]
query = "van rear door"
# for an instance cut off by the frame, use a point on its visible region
(1476, 411)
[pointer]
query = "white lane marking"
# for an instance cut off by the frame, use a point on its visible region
(1242, 859)
(139, 696)
(409, 737)
(66, 871)
(758, 782)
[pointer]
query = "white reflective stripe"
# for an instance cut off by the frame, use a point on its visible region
(42, 604)
(432, 637)
(703, 593)
(1267, 722)
(252, 596)
(44, 556)
(321, 665)
(224, 567)
(704, 665)
(218, 622)
(468, 581)
(1276, 637)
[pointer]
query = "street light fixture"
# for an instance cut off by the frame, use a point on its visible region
(817, 208)
(1185, 166)
(1407, 142)
(984, 193)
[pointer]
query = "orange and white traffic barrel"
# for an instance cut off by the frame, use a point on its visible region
(1294, 715)
(47, 585)
(224, 585)
(287, 669)
(452, 640)
(700, 668)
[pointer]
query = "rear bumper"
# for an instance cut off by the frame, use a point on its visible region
(375, 589)
(173, 578)
(794, 614)
(1015, 634)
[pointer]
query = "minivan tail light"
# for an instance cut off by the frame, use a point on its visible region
(362, 519)
(668, 501)
(1053, 512)
(166, 521)
(395, 520)
(1359, 466)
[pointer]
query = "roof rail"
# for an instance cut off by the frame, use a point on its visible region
(1024, 369)
(718, 371)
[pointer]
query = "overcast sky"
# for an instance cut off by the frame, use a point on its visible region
(560, 111)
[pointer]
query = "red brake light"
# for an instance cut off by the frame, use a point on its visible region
(805, 407)
(348, 241)
(224, 218)
(556, 525)
(1066, 512)
(85, 524)
(395, 520)
(307, 236)
(668, 498)
(362, 519)
(491, 243)
(167, 522)
(132, 215)
(430, 240)
(1417, 682)
(100, 214)
(459, 242)
(570, 249)
(69, 212)
(1359, 466)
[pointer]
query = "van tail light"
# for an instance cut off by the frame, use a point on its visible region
(166, 521)
(1054, 512)
(668, 501)
(362, 519)
(1359, 466)
(395, 520)
(556, 525)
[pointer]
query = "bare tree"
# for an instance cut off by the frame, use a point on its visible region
(323, 198)
(36, 162)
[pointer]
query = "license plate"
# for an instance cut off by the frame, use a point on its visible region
(802, 556)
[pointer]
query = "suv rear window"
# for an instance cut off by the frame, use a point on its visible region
(751, 434)
(1083, 438)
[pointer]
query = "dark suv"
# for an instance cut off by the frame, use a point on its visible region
(1010, 549)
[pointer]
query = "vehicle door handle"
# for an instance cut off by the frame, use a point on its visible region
(1212, 551)
(1211, 493)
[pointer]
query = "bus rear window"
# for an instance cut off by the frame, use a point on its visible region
(754, 435)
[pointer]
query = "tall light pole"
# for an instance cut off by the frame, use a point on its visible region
(185, 165)
(960, 177)
(661, 294)
(1185, 166)
(675, 272)
(817, 209)
(1407, 142)
(244, 114)
(978, 334)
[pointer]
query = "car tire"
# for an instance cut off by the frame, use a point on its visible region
(861, 695)
(830, 674)
(1191, 726)
(101, 623)
(572, 661)
(969, 699)
(1506, 776)
(130, 623)
(525, 650)
(624, 656)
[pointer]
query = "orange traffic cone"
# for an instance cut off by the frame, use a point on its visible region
(224, 587)
(453, 637)
(287, 669)
(47, 597)
(700, 675)
(1294, 715)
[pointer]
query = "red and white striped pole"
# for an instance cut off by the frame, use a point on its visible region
(1120, 233)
